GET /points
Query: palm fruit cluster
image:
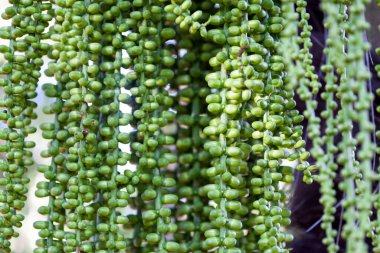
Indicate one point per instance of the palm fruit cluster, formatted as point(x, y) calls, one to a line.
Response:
point(20, 73)
point(342, 135)
point(175, 126)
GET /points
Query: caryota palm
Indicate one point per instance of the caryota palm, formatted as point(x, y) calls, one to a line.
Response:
point(175, 124)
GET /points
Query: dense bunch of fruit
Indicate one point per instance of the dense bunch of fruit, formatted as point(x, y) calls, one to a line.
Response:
point(200, 159)
point(21, 72)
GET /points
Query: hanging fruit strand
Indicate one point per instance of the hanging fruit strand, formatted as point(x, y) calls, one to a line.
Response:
point(191, 157)
point(326, 160)
point(23, 64)
point(347, 157)
point(357, 77)
point(52, 230)
point(152, 71)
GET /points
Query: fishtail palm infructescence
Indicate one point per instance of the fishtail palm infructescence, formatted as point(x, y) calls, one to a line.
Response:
point(202, 157)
